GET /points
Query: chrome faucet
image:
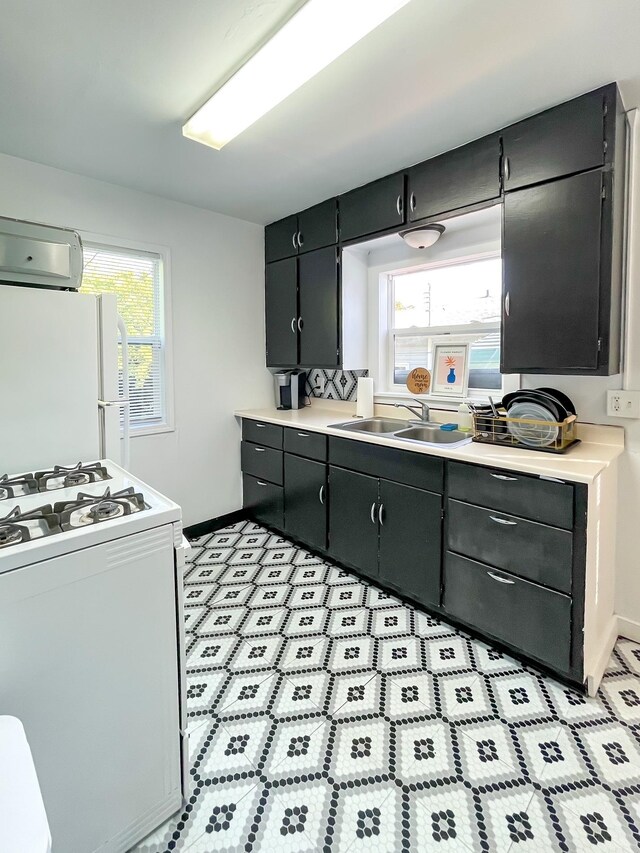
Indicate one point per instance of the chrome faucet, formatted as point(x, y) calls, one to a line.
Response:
point(422, 414)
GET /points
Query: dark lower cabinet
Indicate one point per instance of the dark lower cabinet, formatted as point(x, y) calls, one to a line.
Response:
point(353, 522)
point(264, 500)
point(410, 541)
point(523, 614)
point(305, 500)
point(281, 312)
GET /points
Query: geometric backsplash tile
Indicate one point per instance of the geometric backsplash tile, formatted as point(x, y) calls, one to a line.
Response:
point(338, 384)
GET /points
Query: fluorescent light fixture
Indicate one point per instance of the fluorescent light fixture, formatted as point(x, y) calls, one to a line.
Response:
point(311, 39)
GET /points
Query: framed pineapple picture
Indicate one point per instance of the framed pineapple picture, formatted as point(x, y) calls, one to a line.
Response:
point(450, 376)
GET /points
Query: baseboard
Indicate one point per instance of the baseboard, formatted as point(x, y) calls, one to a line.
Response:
point(195, 531)
point(629, 628)
point(595, 677)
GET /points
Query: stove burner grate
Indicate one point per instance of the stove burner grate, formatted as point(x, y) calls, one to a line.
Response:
point(92, 509)
point(13, 487)
point(18, 527)
point(77, 475)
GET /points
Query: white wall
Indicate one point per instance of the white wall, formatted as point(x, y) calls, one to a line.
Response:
point(217, 284)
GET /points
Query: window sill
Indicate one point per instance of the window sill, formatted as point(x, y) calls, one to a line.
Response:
point(140, 431)
point(444, 403)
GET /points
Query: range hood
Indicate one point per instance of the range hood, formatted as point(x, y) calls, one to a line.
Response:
point(37, 255)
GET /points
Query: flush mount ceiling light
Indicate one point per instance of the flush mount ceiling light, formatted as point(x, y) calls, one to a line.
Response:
point(422, 238)
point(317, 34)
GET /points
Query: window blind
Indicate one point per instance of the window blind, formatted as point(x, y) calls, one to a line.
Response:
point(136, 279)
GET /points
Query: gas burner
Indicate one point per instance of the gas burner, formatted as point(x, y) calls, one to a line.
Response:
point(93, 509)
point(14, 487)
point(18, 527)
point(78, 475)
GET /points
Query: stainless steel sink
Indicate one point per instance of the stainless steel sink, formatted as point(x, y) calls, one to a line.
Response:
point(395, 428)
point(375, 425)
point(433, 435)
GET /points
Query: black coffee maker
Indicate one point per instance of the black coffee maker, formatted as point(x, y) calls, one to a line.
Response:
point(289, 388)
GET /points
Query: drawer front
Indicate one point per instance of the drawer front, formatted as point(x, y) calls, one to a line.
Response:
point(509, 491)
point(525, 548)
point(312, 445)
point(400, 466)
point(264, 500)
point(261, 433)
point(262, 462)
point(528, 617)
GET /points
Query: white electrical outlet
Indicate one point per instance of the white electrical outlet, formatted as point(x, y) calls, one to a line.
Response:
point(623, 404)
point(319, 386)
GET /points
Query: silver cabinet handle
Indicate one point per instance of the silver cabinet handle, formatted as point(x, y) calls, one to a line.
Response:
point(506, 304)
point(303, 434)
point(499, 579)
point(260, 483)
point(259, 449)
point(300, 240)
point(260, 426)
point(412, 202)
point(293, 240)
point(293, 325)
point(503, 521)
point(381, 514)
point(321, 495)
point(507, 169)
point(300, 324)
point(503, 477)
point(373, 512)
point(399, 205)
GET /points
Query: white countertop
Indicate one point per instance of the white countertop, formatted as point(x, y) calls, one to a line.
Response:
point(599, 447)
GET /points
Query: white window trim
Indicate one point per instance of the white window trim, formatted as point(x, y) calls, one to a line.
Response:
point(111, 242)
point(381, 342)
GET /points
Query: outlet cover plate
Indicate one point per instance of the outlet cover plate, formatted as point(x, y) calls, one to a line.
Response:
point(623, 404)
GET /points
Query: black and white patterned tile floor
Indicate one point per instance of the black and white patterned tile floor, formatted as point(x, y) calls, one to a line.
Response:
point(326, 715)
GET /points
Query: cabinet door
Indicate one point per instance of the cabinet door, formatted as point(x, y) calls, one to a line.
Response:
point(565, 139)
point(374, 207)
point(464, 176)
point(410, 541)
point(280, 239)
point(318, 288)
point(305, 508)
point(264, 500)
point(281, 313)
point(551, 276)
point(318, 226)
point(353, 523)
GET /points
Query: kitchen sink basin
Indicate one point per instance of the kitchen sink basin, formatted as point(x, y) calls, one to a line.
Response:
point(433, 435)
point(376, 425)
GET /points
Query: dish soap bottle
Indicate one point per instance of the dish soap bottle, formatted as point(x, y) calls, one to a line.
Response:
point(465, 419)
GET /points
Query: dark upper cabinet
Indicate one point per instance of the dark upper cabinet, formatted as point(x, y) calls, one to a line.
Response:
point(318, 308)
point(281, 312)
point(410, 541)
point(353, 522)
point(314, 228)
point(305, 500)
point(569, 138)
point(280, 239)
point(557, 306)
point(462, 177)
point(374, 207)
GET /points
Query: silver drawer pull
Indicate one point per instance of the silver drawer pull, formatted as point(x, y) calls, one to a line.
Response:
point(303, 434)
point(503, 521)
point(259, 449)
point(499, 579)
point(260, 426)
point(503, 477)
point(321, 495)
point(260, 483)
point(373, 512)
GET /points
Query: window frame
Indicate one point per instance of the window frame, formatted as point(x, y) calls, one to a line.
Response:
point(382, 337)
point(110, 243)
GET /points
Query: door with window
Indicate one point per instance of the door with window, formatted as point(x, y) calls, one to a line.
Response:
point(137, 278)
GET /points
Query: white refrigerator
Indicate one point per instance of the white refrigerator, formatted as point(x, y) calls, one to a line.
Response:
point(59, 379)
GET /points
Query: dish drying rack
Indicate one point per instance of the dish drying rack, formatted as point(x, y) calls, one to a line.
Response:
point(492, 427)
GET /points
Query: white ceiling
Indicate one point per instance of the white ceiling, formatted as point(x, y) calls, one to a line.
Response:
point(102, 88)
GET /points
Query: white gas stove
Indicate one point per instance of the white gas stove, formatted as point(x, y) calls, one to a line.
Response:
point(48, 513)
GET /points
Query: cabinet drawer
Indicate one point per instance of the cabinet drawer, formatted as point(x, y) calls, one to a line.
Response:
point(262, 433)
point(528, 617)
point(262, 462)
point(526, 548)
point(313, 445)
point(264, 500)
point(509, 491)
point(401, 466)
